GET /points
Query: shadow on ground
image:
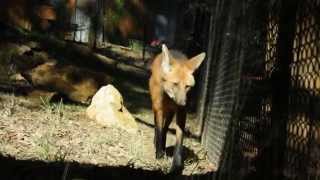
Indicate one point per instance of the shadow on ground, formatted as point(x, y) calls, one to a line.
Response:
point(12, 169)
point(187, 132)
point(187, 153)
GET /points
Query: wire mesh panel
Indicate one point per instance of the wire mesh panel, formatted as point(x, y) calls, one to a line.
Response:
point(255, 97)
point(224, 78)
point(303, 140)
point(262, 115)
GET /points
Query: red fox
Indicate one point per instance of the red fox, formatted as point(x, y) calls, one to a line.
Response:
point(171, 79)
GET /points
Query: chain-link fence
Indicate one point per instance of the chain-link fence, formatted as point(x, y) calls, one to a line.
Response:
point(262, 117)
point(303, 128)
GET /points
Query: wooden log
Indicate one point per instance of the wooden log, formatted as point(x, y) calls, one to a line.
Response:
point(83, 56)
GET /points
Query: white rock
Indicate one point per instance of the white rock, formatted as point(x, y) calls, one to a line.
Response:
point(108, 110)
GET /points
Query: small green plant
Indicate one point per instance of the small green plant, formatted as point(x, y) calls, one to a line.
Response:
point(52, 108)
point(49, 150)
point(44, 147)
point(45, 103)
point(136, 45)
point(60, 154)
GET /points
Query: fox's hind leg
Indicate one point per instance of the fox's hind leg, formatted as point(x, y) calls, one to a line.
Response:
point(177, 164)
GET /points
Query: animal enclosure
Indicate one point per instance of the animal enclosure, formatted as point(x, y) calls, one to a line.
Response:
point(257, 100)
point(261, 119)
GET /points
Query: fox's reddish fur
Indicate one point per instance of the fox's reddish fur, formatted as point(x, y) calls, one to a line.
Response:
point(169, 84)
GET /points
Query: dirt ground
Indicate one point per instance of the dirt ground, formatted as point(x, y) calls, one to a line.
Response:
point(31, 128)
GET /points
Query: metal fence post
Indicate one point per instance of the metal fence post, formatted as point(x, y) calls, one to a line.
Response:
point(280, 87)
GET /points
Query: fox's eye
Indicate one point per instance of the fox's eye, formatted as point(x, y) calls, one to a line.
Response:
point(175, 84)
point(188, 86)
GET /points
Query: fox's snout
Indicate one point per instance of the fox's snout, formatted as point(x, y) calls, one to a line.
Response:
point(181, 97)
point(181, 102)
point(178, 95)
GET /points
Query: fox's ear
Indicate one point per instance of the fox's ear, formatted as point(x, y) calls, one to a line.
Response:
point(196, 61)
point(165, 59)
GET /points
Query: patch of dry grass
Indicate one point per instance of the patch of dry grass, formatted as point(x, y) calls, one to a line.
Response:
point(58, 132)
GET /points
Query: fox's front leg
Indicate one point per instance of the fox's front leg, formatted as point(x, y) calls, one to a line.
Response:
point(158, 134)
point(177, 164)
point(161, 129)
